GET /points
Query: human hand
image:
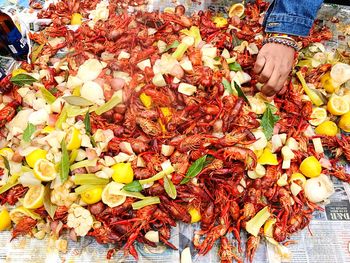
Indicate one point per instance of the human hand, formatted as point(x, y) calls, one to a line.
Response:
point(273, 65)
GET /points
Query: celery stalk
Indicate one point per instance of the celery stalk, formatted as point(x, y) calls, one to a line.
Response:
point(114, 101)
point(85, 163)
point(180, 51)
point(73, 111)
point(158, 176)
point(89, 179)
point(253, 225)
point(132, 194)
point(146, 202)
point(194, 32)
point(312, 94)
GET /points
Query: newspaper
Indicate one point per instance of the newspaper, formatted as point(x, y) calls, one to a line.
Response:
point(326, 240)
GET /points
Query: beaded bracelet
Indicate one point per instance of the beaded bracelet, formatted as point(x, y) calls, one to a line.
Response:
point(282, 41)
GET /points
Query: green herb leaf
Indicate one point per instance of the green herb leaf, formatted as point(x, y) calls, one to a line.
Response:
point(64, 165)
point(236, 41)
point(49, 206)
point(36, 52)
point(169, 187)
point(28, 132)
point(173, 45)
point(268, 121)
point(227, 85)
point(7, 165)
point(235, 66)
point(48, 97)
point(194, 169)
point(134, 186)
point(241, 93)
point(87, 123)
point(23, 79)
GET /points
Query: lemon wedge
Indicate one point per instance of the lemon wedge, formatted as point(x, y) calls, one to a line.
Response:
point(267, 157)
point(311, 167)
point(329, 84)
point(18, 213)
point(92, 196)
point(268, 227)
point(146, 100)
point(123, 173)
point(76, 19)
point(236, 10)
point(73, 139)
point(6, 152)
point(34, 198)
point(344, 122)
point(47, 130)
point(328, 128)
point(109, 196)
point(5, 220)
point(195, 215)
point(220, 21)
point(45, 170)
point(34, 156)
point(337, 105)
point(318, 116)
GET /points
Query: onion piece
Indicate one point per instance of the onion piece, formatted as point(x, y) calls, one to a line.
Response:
point(319, 188)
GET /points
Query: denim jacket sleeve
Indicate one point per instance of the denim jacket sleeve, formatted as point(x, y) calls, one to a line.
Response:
point(292, 17)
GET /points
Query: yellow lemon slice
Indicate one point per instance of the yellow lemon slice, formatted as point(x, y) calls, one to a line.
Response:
point(73, 139)
point(18, 213)
point(267, 157)
point(344, 122)
point(337, 105)
point(18, 71)
point(327, 128)
point(34, 156)
point(5, 220)
point(45, 170)
point(328, 83)
point(298, 176)
point(6, 152)
point(109, 196)
point(195, 215)
point(236, 10)
point(268, 227)
point(34, 198)
point(318, 116)
point(310, 167)
point(76, 19)
point(220, 21)
point(123, 173)
point(92, 196)
point(47, 130)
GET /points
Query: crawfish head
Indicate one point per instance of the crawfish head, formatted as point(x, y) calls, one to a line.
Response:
point(149, 127)
point(240, 154)
point(23, 227)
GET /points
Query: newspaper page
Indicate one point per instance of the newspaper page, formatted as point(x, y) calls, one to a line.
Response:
point(326, 240)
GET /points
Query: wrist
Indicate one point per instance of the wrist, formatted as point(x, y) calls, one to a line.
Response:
point(282, 39)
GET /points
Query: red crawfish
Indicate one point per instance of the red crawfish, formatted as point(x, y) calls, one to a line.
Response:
point(23, 227)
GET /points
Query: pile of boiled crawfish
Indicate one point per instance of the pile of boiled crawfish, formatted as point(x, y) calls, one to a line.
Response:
point(225, 196)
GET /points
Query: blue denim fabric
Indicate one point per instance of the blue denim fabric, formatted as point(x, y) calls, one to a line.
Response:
point(291, 17)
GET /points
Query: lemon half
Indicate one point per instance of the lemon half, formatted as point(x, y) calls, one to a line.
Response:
point(5, 220)
point(92, 196)
point(337, 105)
point(310, 167)
point(110, 194)
point(318, 116)
point(327, 128)
point(344, 122)
point(34, 198)
point(123, 173)
point(34, 156)
point(18, 213)
point(73, 139)
point(45, 170)
point(267, 157)
point(236, 10)
point(76, 19)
